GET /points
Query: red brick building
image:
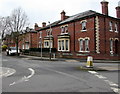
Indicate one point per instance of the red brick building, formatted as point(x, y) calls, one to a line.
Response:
point(28, 39)
point(9, 41)
point(83, 34)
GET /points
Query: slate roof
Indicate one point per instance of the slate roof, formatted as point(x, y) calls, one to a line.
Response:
point(75, 17)
point(78, 16)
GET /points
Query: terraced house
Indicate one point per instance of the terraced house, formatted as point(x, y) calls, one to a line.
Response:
point(83, 34)
point(28, 39)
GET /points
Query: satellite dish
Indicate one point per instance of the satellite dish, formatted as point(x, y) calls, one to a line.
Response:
point(119, 3)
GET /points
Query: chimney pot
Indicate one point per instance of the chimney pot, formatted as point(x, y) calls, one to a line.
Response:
point(104, 7)
point(118, 12)
point(44, 24)
point(63, 15)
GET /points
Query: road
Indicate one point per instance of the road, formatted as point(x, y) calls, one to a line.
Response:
point(56, 76)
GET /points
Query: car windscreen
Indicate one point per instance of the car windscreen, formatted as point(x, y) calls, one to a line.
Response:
point(13, 48)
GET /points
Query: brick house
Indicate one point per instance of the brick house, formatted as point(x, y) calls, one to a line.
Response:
point(9, 41)
point(84, 34)
point(28, 39)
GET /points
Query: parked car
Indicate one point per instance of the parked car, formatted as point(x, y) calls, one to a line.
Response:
point(12, 51)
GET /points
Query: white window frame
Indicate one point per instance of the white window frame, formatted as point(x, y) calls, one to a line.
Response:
point(84, 26)
point(26, 45)
point(81, 45)
point(49, 32)
point(23, 46)
point(84, 44)
point(62, 45)
point(111, 46)
point(110, 26)
point(116, 27)
point(47, 43)
point(87, 45)
point(64, 29)
point(67, 44)
point(59, 45)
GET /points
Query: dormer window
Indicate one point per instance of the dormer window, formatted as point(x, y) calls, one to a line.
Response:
point(116, 27)
point(110, 25)
point(64, 29)
point(84, 24)
point(49, 32)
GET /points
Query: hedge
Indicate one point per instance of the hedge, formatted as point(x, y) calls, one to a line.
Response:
point(39, 50)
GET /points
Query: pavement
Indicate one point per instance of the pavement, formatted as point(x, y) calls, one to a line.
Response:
point(115, 67)
point(69, 59)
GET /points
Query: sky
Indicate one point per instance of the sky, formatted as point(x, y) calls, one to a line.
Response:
point(39, 11)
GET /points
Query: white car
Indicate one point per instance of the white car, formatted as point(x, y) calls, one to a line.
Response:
point(12, 51)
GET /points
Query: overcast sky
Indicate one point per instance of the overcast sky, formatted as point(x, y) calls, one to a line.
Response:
point(39, 11)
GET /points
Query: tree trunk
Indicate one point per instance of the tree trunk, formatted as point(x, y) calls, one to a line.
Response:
point(17, 46)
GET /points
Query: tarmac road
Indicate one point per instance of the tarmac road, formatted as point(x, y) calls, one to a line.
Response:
point(57, 76)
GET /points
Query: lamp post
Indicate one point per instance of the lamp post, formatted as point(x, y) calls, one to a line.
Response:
point(50, 41)
point(41, 42)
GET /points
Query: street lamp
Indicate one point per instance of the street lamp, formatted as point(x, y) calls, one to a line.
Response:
point(41, 42)
point(50, 41)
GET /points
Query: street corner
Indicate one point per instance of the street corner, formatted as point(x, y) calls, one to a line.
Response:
point(5, 72)
point(110, 68)
point(98, 68)
point(94, 68)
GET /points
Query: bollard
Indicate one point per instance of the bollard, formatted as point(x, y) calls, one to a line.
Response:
point(89, 62)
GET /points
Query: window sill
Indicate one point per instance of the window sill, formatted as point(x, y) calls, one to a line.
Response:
point(111, 30)
point(63, 33)
point(116, 31)
point(111, 52)
point(83, 30)
point(63, 51)
point(84, 51)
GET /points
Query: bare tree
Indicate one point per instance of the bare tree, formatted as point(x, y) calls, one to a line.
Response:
point(17, 22)
point(3, 26)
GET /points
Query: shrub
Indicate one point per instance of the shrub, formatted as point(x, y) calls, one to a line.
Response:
point(26, 51)
point(43, 49)
point(4, 47)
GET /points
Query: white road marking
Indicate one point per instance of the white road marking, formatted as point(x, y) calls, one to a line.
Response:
point(24, 78)
point(115, 90)
point(100, 76)
point(6, 72)
point(32, 73)
point(93, 72)
point(112, 84)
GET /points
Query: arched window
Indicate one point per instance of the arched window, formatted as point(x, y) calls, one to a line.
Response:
point(111, 46)
point(83, 45)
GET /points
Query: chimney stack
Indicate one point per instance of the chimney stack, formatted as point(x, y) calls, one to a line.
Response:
point(44, 24)
point(118, 10)
point(104, 7)
point(63, 17)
